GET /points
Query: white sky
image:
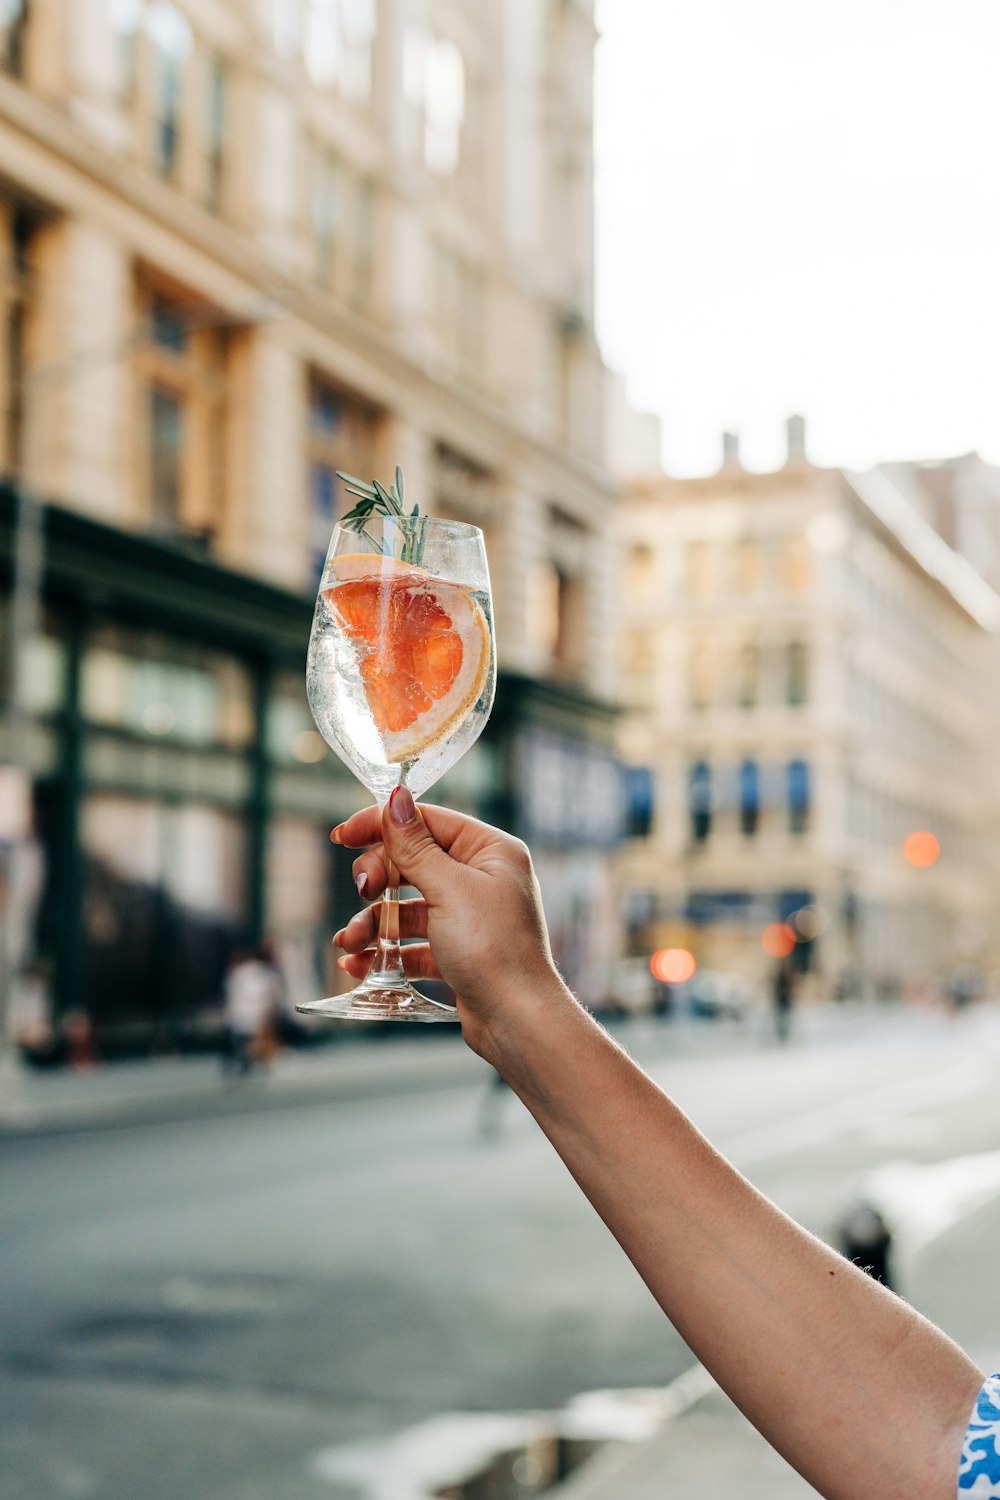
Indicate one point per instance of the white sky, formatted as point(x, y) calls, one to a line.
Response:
point(798, 209)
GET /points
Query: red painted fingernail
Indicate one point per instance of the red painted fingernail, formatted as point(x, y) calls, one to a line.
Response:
point(402, 806)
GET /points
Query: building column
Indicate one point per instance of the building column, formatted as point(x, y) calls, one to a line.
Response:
point(400, 442)
point(265, 530)
point(79, 327)
point(519, 548)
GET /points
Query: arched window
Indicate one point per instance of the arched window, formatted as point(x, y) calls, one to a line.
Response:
point(700, 800)
point(172, 41)
point(799, 796)
point(749, 797)
point(796, 674)
point(749, 676)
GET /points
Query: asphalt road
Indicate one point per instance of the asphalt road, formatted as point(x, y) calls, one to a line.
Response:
point(244, 1306)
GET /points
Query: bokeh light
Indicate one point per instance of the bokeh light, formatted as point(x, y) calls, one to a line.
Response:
point(921, 849)
point(777, 939)
point(672, 965)
point(809, 922)
point(309, 747)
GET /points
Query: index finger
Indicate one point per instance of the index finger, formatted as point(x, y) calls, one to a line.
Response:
point(447, 826)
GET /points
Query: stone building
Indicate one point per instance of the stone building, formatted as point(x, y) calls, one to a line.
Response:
point(243, 244)
point(808, 668)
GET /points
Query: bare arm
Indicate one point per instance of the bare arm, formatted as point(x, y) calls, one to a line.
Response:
point(861, 1394)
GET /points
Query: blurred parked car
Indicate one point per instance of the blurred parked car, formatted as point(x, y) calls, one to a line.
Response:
point(632, 988)
point(714, 995)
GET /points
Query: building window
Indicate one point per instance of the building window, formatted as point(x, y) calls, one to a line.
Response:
point(555, 618)
point(150, 685)
point(749, 679)
point(797, 566)
point(700, 800)
point(701, 678)
point(13, 26)
point(337, 41)
point(341, 436)
point(182, 372)
point(16, 229)
point(215, 131)
point(286, 26)
point(749, 797)
point(698, 569)
point(324, 215)
point(796, 674)
point(343, 228)
point(460, 312)
point(364, 242)
point(170, 34)
point(799, 796)
point(640, 801)
point(640, 570)
point(748, 566)
point(126, 23)
point(166, 447)
point(444, 107)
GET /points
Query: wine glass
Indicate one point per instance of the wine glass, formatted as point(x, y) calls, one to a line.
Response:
point(400, 677)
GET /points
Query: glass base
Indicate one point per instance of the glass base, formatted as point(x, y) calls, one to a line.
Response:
point(380, 1003)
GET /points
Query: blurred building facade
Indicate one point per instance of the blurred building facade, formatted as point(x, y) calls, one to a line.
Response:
point(808, 668)
point(243, 245)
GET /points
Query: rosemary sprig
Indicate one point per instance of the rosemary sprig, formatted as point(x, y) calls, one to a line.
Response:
point(375, 499)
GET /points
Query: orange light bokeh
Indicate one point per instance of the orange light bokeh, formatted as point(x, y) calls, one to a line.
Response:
point(672, 965)
point(921, 849)
point(777, 939)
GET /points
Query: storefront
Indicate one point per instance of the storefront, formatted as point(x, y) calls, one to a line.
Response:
point(183, 799)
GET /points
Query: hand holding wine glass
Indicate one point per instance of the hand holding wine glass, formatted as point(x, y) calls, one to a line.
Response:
point(400, 678)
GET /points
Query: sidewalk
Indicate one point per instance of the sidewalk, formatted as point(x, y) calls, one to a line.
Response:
point(171, 1088)
point(160, 1089)
point(706, 1451)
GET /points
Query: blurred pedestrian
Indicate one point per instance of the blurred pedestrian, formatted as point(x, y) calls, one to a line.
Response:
point(861, 1394)
point(251, 1008)
point(29, 1015)
point(783, 984)
point(491, 1107)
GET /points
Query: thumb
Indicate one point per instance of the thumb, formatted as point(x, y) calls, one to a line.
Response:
point(412, 847)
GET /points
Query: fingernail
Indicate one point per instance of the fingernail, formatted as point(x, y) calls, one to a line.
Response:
point(361, 882)
point(402, 806)
point(335, 834)
point(337, 937)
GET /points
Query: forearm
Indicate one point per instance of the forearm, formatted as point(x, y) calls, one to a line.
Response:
point(857, 1390)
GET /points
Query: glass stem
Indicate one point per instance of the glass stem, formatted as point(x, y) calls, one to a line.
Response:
point(386, 971)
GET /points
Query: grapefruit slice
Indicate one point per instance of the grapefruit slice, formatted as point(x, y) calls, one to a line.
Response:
point(423, 647)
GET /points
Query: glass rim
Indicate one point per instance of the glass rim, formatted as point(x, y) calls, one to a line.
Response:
point(457, 529)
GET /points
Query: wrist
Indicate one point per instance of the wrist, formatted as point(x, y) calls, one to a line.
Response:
point(529, 1023)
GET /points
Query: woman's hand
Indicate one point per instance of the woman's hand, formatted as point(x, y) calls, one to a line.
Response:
point(480, 910)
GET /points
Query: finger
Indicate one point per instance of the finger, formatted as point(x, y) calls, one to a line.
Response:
point(369, 873)
point(414, 850)
point(446, 825)
point(362, 929)
point(418, 962)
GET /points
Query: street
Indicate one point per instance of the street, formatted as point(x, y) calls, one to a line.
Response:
point(222, 1308)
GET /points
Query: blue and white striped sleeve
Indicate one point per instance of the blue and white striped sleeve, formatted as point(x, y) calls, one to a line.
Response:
point(979, 1468)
